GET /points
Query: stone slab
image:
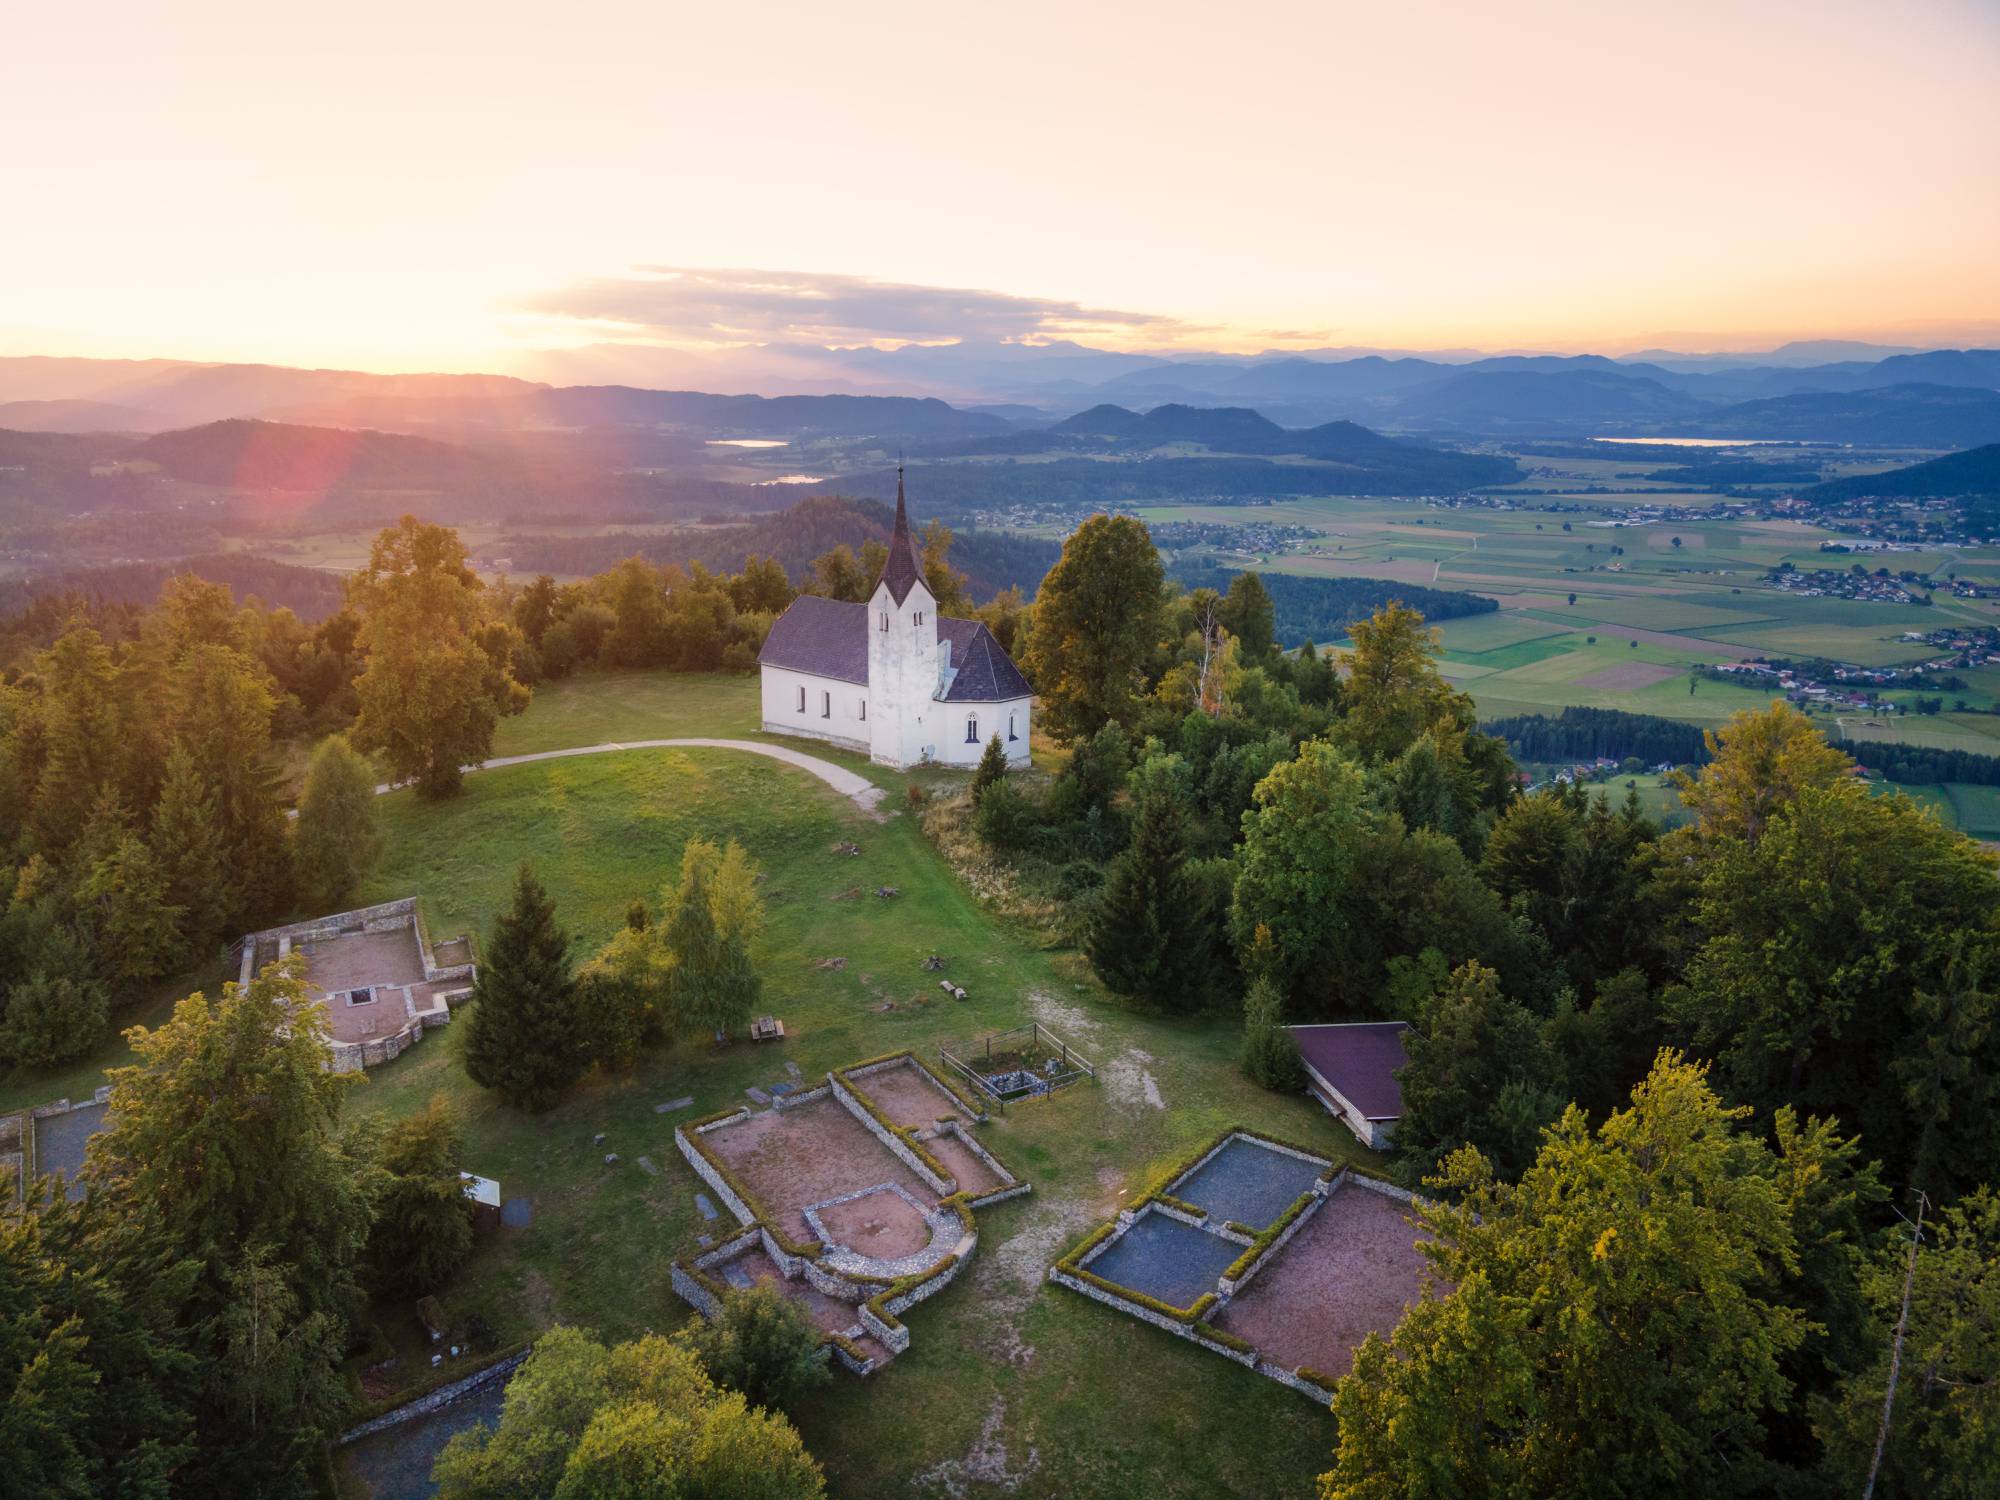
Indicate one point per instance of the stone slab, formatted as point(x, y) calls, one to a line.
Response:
point(707, 1208)
point(673, 1104)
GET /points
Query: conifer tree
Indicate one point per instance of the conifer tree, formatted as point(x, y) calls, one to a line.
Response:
point(713, 985)
point(122, 900)
point(992, 769)
point(1269, 1054)
point(526, 1043)
point(336, 843)
point(185, 844)
point(423, 1220)
point(1154, 936)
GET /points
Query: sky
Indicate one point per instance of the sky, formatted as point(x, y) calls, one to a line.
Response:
point(456, 186)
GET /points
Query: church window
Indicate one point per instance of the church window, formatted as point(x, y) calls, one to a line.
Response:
point(1010, 728)
point(802, 700)
point(972, 730)
point(826, 705)
point(885, 622)
point(917, 618)
point(864, 710)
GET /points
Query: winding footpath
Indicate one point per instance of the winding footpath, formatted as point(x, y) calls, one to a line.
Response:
point(857, 788)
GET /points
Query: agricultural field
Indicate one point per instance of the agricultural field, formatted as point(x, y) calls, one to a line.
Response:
point(1598, 611)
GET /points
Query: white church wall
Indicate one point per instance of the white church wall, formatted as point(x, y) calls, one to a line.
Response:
point(834, 711)
point(953, 720)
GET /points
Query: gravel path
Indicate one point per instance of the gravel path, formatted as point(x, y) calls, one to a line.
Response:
point(859, 789)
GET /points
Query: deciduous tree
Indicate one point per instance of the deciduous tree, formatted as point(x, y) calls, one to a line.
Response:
point(422, 1230)
point(1096, 621)
point(763, 1346)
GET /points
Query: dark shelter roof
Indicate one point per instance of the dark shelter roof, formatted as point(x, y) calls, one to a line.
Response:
point(903, 570)
point(1359, 1061)
point(829, 638)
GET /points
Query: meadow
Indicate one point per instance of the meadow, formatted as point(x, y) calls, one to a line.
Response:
point(1005, 1377)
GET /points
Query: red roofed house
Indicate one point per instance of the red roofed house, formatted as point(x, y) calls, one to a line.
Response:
point(1351, 1069)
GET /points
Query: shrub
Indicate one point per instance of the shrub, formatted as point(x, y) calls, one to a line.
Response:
point(763, 1345)
point(1005, 819)
point(1270, 1055)
point(52, 1019)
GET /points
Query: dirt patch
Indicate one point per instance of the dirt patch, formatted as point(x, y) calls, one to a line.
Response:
point(1060, 1014)
point(808, 1154)
point(1129, 1084)
point(880, 1224)
point(1350, 1272)
point(1629, 676)
point(985, 1463)
point(908, 1097)
point(970, 1173)
point(833, 964)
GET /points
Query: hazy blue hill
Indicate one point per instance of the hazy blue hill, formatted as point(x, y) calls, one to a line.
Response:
point(1901, 416)
point(244, 454)
point(911, 417)
point(74, 414)
point(1976, 472)
point(1543, 401)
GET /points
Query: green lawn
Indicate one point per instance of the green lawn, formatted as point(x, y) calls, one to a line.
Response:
point(1086, 1402)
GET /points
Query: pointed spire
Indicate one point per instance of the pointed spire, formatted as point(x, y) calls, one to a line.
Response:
point(902, 570)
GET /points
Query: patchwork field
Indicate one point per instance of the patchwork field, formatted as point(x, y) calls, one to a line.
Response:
point(1600, 612)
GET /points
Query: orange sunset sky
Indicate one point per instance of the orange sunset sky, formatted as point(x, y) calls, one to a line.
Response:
point(457, 186)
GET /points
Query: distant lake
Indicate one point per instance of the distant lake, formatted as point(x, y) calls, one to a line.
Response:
point(1698, 442)
point(749, 443)
point(795, 479)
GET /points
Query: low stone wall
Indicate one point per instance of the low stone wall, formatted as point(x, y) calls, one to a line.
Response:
point(1319, 1193)
point(802, 1096)
point(897, 1146)
point(708, 1172)
point(1293, 1379)
point(443, 1396)
point(1373, 1184)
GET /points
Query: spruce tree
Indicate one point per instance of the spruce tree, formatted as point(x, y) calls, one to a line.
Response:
point(1270, 1055)
point(712, 986)
point(526, 1043)
point(335, 843)
point(186, 845)
point(992, 769)
point(1154, 936)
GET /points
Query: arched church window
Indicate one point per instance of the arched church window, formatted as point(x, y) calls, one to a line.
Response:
point(1010, 728)
point(972, 730)
point(802, 699)
point(885, 622)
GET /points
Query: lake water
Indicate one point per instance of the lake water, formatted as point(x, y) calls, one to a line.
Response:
point(795, 479)
point(1698, 442)
point(749, 443)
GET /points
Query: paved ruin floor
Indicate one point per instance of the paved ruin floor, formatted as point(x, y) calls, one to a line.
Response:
point(359, 958)
point(909, 1098)
point(882, 1225)
point(970, 1173)
point(793, 1158)
point(1348, 1273)
point(1247, 1184)
point(1166, 1259)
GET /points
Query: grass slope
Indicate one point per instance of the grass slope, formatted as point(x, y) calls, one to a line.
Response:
point(1083, 1401)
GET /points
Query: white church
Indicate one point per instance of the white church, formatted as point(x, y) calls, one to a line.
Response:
point(893, 677)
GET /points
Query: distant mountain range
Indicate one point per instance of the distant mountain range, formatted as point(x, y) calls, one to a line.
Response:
point(975, 394)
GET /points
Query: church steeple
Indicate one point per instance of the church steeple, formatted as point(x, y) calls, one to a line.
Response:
point(903, 570)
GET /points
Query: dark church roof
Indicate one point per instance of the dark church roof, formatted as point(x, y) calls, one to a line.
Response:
point(1360, 1060)
point(829, 638)
point(826, 637)
point(984, 672)
point(904, 570)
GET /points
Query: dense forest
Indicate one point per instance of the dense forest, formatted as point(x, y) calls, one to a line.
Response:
point(1321, 609)
point(1699, 1080)
point(1923, 764)
point(1587, 733)
point(991, 560)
